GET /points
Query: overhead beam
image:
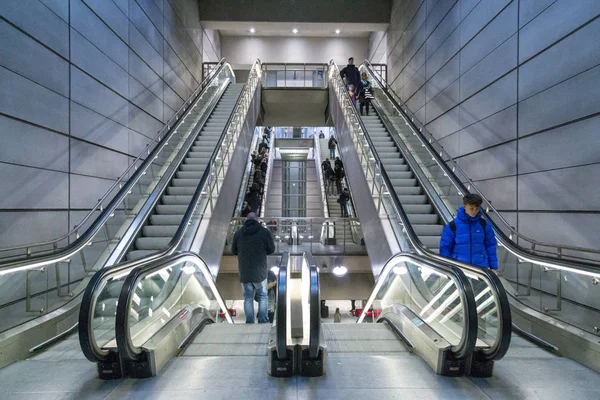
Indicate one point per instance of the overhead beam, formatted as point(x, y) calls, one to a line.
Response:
point(367, 11)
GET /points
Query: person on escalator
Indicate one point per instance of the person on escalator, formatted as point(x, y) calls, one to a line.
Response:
point(246, 210)
point(469, 238)
point(329, 181)
point(263, 145)
point(251, 244)
point(339, 178)
point(321, 135)
point(263, 166)
point(350, 74)
point(331, 145)
point(366, 94)
point(339, 163)
point(343, 200)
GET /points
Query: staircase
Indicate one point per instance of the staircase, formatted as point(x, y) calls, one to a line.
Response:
point(423, 217)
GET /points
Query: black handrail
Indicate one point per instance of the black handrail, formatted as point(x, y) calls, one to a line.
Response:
point(516, 248)
point(503, 339)
point(88, 345)
point(315, 307)
point(63, 254)
point(127, 351)
point(499, 349)
point(99, 279)
point(281, 327)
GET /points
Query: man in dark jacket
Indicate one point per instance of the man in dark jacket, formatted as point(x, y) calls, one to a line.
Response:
point(339, 163)
point(331, 145)
point(469, 238)
point(252, 243)
point(343, 200)
point(350, 74)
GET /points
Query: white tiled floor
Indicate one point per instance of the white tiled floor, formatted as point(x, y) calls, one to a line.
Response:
point(526, 373)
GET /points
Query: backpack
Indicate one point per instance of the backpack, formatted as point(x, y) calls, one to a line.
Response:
point(481, 221)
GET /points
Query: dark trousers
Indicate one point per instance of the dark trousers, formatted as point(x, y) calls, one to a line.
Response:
point(344, 210)
point(366, 103)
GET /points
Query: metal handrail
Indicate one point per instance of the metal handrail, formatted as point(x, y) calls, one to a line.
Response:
point(263, 203)
point(73, 248)
point(127, 351)
point(247, 172)
point(439, 157)
point(503, 339)
point(281, 332)
point(86, 335)
point(468, 340)
point(157, 138)
point(314, 342)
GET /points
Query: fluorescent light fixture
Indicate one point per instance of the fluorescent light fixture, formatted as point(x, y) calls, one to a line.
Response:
point(294, 30)
point(189, 269)
point(340, 271)
point(400, 270)
point(337, 31)
point(252, 30)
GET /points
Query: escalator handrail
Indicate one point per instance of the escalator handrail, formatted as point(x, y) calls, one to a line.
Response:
point(509, 244)
point(127, 351)
point(503, 339)
point(468, 340)
point(502, 343)
point(314, 342)
point(88, 344)
point(281, 308)
point(67, 252)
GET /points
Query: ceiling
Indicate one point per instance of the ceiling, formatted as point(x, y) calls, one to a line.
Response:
point(305, 29)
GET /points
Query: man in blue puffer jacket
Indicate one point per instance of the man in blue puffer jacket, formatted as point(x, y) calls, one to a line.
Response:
point(469, 238)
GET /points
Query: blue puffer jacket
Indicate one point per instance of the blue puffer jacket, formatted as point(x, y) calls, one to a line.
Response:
point(470, 244)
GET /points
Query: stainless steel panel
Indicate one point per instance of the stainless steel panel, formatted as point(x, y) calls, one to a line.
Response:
point(19, 95)
point(111, 15)
point(448, 20)
point(555, 22)
point(492, 99)
point(96, 128)
point(443, 102)
point(85, 190)
point(49, 224)
point(528, 10)
point(33, 188)
point(26, 144)
point(142, 122)
point(40, 22)
point(567, 146)
point(479, 17)
point(96, 31)
point(501, 191)
point(446, 124)
point(22, 54)
point(575, 98)
point(493, 66)
point(142, 48)
point(443, 78)
point(444, 53)
point(87, 57)
point(88, 92)
point(89, 159)
point(60, 7)
point(571, 56)
point(576, 188)
point(145, 75)
point(145, 99)
point(143, 24)
point(497, 128)
point(496, 162)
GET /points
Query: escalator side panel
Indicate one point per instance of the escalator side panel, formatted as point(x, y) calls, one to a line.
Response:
point(211, 245)
point(379, 249)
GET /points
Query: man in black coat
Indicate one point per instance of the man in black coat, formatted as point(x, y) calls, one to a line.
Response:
point(351, 75)
point(252, 243)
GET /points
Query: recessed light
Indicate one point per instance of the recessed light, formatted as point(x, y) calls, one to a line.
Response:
point(252, 30)
point(294, 30)
point(340, 271)
point(337, 31)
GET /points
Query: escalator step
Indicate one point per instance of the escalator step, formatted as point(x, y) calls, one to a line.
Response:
point(152, 243)
point(159, 230)
point(176, 200)
point(158, 219)
point(170, 209)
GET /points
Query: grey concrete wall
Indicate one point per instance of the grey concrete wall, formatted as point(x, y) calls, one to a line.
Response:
point(511, 89)
point(84, 85)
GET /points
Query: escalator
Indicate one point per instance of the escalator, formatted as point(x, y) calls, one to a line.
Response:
point(167, 215)
point(546, 284)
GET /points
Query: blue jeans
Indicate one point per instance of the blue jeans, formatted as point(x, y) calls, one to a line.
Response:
point(263, 301)
point(332, 154)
